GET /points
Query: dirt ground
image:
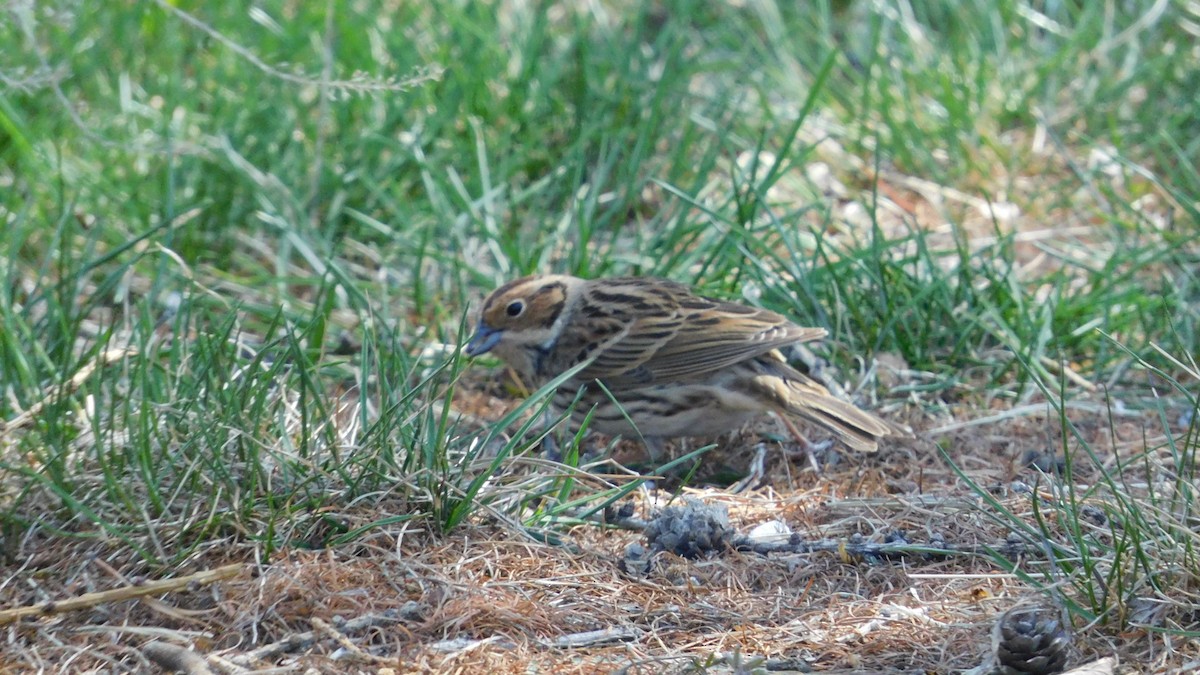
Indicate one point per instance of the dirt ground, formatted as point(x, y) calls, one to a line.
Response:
point(494, 597)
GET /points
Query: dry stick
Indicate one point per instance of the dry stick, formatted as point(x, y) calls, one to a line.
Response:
point(348, 645)
point(117, 594)
point(225, 666)
point(152, 604)
point(1030, 410)
point(102, 359)
point(297, 641)
point(1068, 373)
point(320, 625)
point(592, 637)
point(176, 659)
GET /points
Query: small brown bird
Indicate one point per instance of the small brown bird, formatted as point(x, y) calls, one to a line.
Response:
point(671, 362)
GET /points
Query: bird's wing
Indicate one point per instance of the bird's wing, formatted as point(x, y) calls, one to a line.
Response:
point(641, 331)
point(715, 335)
point(621, 323)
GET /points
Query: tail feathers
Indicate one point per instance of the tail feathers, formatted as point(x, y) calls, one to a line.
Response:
point(859, 430)
point(796, 394)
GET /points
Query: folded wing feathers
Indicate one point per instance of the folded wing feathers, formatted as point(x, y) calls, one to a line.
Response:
point(697, 354)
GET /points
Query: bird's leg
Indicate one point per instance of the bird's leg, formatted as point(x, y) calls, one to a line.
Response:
point(654, 450)
point(551, 443)
point(756, 472)
point(550, 448)
point(654, 447)
point(810, 448)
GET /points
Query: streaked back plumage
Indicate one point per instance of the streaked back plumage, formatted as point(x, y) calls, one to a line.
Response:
point(653, 343)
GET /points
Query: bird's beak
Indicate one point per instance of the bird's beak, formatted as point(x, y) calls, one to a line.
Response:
point(483, 341)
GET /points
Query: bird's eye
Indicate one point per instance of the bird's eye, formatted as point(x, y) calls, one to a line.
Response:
point(515, 308)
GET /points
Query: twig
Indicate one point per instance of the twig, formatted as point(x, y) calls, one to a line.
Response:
point(1031, 410)
point(298, 641)
point(618, 516)
point(102, 359)
point(592, 637)
point(348, 645)
point(151, 603)
point(225, 665)
point(86, 600)
point(176, 659)
point(1068, 373)
point(1013, 548)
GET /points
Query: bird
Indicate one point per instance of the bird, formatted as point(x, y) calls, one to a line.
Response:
point(660, 361)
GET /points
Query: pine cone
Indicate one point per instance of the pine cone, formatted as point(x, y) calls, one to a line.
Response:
point(1030, 641)
point(691, 530)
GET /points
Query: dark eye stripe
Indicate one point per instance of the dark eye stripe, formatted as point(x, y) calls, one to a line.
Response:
point(557, 307)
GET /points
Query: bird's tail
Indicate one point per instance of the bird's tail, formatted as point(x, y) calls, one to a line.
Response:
point(796, 394)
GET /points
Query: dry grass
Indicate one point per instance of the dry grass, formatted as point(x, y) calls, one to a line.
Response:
point(488, 598)
point(304, 202)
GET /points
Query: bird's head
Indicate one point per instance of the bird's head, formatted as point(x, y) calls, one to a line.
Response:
point(521, 318)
